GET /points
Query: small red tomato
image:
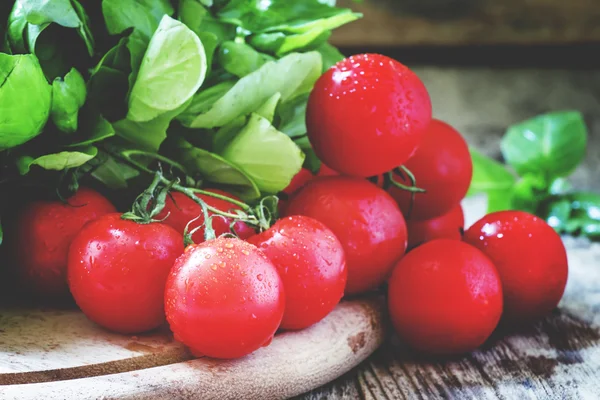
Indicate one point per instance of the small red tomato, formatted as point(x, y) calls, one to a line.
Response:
point(364, 218)
point(442, 166)
point(312, 265)
point(531, 260)
point(367, 114)
point(118, 269)
point(224, 298)
point(298, 181)
point(324, 170)
point(445, 297)
point(44, 231)
point(448, 226)
point(181, 210)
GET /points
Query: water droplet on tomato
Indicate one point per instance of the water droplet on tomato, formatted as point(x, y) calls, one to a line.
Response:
point(213, 267)
point(253, 316)
point(259, 277)
point(245, 252)
point(229, 245)
point(207, 256)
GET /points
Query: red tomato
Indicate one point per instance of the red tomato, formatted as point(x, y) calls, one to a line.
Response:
point(181, 210)
point(367, 114)
point(298, 181)
point(365, 219)
point(44, 231)
point(118, 269)
point(448, 226)
point(530, 257)
point(324, 170)
point(312, 265)
point(224, 298)
point(445, 297)
point(443, 167)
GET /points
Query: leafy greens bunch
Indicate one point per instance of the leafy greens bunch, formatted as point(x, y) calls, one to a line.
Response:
point(217, 88)
point(540, 154)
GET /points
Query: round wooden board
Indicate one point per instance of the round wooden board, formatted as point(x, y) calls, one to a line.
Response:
point(61, 355)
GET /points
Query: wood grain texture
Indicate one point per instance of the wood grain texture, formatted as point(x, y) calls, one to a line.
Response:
point(557, 358)
point(293, 363)
point(463, 22)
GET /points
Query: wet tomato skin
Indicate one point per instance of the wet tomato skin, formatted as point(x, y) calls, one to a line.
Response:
point(180, 209)
point(312, 265)
point(447, 226)
point(365, 219)
point(117, 272)
point(298, 181)
point(367, 114)
point(43, 233)
point(445, 297)
point(224, 298)
point(531, 260)
point(443, 167)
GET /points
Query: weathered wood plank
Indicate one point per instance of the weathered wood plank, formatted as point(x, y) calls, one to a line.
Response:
point(461, 22)
point(557, 358)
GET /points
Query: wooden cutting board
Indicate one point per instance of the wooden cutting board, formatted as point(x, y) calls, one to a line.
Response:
point(58, 354)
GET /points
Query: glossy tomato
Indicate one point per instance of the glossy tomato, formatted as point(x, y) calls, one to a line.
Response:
point(443, 167)
point(324, 170)
point(530, 257)
point(224, 298)
point(118, 269)
point(448, 226)
point(364, 218)
point(312, 265)
point(43, 233)
point(179, 210)
point(367, 114)
point(298, 181)
point(445, 297)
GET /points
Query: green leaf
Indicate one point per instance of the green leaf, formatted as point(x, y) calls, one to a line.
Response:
point(292, 75)
point(574, 214)
point(25, 98)
point(528, 192)
point(492, 178)
point(293, 116)
point(268, 156)
point(551, 144)
point(59, 161)
point(279, 43)
point(93, 128)
point(173, 69)
point(204, 100)
point(311, 162)
point(114, 174)
point(330, 54)
point(212, 167)
point(143, 15)
point(267, 110)
point(226, 134)
point(68, 96)
point(240, 59)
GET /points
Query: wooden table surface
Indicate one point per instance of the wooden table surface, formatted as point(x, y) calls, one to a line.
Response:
point(557, 358)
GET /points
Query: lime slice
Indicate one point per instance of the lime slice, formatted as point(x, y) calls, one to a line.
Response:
point(173, 69)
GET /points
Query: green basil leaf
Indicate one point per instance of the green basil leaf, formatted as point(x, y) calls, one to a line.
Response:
point(59, 161)
point(143, 15)
point(226, 134)
point(270, 158)
point(173, 69)
point(292, 75)
point(267, 110)
point(330, 54)
point(311, 162)
point(240, 59)
point(493, 179)
point(212, 167)
point(68, 96)
point(114, 174)
point(552, 144)
point(293, 116)
point(203, 101)
point(528, 192)
point(93, 128)
point(25, 98)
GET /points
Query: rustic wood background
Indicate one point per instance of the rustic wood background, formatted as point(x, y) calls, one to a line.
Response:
point(451, 22)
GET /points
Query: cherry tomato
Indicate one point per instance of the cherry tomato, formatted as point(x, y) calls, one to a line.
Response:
point(43, 233)
point(448, 226)
point(312, 265)
point(365, 219)
point(324, 170)
point(118, 269)
point(298, 181)
point(445, 297)
point(224, 298)
point(367, 114)
point(181, 210)
point(530, 257)
point(442, 166)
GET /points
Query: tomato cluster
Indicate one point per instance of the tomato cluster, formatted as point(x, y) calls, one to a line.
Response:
point(340, 235)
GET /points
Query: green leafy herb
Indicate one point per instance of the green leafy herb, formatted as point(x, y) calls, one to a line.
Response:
point(59, 161)
point(25, 98)
point(143, 15)
point(68, 96)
